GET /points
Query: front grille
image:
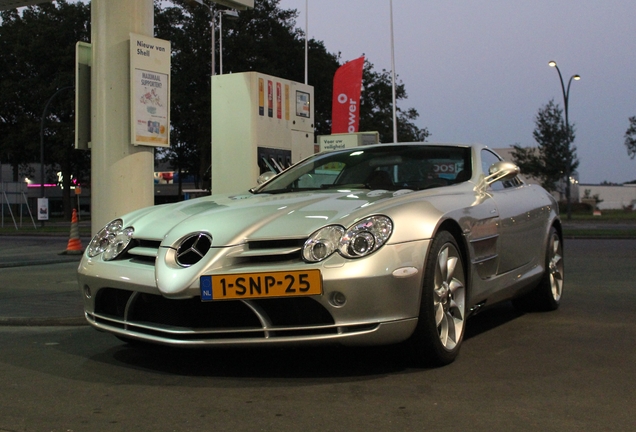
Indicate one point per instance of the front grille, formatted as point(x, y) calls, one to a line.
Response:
point(269, 251)
point(276, 244)
point(190, 319)
point(194, 247)
point(142, 251)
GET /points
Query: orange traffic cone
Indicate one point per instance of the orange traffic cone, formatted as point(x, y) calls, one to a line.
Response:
point(74, 246)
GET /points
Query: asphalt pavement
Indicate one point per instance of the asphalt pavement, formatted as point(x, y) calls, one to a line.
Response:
point(38, 283)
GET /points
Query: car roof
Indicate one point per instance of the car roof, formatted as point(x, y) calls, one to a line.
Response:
point(407, 144)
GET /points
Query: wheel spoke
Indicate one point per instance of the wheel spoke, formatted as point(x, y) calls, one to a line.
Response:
point(442, 268)
point(555, 246)
point(448, 296)
point(450, 265)
point(451, 336)
point(556, 268)
point(455, 310)
point(443, 329)
point(449, 330)
point(556, 283)
point(439, 314)
point(456, 287)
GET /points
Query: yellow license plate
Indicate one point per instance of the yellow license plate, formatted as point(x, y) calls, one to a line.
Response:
point(261, 285)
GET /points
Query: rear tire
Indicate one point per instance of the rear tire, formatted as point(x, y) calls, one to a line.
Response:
point(547, 295)
point(440, 327)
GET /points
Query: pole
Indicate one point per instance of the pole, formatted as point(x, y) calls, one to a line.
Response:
point(213, 30)
point(121, 172)
point(395, 138)
point(46, 107)
point(566, 100)
point(306, 43)
point(220, 44)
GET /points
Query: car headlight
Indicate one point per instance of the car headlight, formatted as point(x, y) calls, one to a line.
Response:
point(361, 239)
point(322, 243)
point(365, 236)
point(111, 240)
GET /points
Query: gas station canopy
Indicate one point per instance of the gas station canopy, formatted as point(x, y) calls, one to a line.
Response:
point(233, 4)
point(236, 4)
point(12, 4)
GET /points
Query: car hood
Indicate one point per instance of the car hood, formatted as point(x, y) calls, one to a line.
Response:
point(233, 219)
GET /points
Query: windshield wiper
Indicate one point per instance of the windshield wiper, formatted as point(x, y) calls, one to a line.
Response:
point(305, 189)
point(275, 191)
point(343, 186)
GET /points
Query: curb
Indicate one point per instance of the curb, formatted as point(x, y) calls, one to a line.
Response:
point(41, 262)
point(43, 322)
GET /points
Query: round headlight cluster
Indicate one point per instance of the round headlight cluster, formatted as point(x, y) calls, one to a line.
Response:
point(361, 239)
point(111, 240)
point(322, 243)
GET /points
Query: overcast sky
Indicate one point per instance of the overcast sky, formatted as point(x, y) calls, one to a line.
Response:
point(477, 71)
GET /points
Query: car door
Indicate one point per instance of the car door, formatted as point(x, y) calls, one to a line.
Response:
point(522, 219)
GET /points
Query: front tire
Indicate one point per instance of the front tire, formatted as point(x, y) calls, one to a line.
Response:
point(440, 327)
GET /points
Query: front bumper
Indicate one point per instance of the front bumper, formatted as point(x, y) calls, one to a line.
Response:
point(381, 292)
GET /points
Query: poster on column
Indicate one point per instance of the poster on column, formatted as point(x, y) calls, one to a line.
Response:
point(43, 209)
point(150, 90)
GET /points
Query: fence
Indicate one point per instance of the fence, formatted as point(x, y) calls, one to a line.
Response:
point(14, 194)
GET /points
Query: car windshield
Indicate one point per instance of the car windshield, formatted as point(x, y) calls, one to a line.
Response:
point(390, 167)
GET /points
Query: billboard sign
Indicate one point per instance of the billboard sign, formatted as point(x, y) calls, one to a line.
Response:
point(149, 91)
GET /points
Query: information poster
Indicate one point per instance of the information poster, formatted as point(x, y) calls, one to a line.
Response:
point(43, 209)
point(302, 104)
point(150, 90)
point(151, 94)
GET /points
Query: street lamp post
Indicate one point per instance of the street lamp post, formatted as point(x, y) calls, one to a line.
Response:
point(395, 137)
point(566, 98)
point(214, 14)
point(46, 108)
point(231, 14)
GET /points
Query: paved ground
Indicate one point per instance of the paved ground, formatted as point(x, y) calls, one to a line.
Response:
point(568, 370)
point(38, 285)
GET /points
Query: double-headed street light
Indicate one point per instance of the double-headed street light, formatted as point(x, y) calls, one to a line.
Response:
point(46, 108)
point(395, 132)
point(231, 14)
point(566, 93)
point(566, 98)
point(214, 14)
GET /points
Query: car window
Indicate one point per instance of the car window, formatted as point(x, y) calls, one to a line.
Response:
point(390, 168)
point(325, 174)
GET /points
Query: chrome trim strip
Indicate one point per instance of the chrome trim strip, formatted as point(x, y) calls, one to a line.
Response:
point(129, 325)
point(265, 252)
point(484, 238)
point(484, 259)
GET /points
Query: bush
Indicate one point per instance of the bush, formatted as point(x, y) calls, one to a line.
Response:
point(577, 207)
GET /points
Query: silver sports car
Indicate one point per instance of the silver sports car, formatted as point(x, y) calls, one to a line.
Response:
point(372, 245)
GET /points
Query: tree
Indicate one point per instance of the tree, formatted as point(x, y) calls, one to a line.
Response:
point(555, 159)
point(263, 39)
point(37, 51)
point(37, 58)
point(630, 137)
point(376, 113)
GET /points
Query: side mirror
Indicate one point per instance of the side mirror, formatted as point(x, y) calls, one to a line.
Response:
point(265, 177)
point(501, 170)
